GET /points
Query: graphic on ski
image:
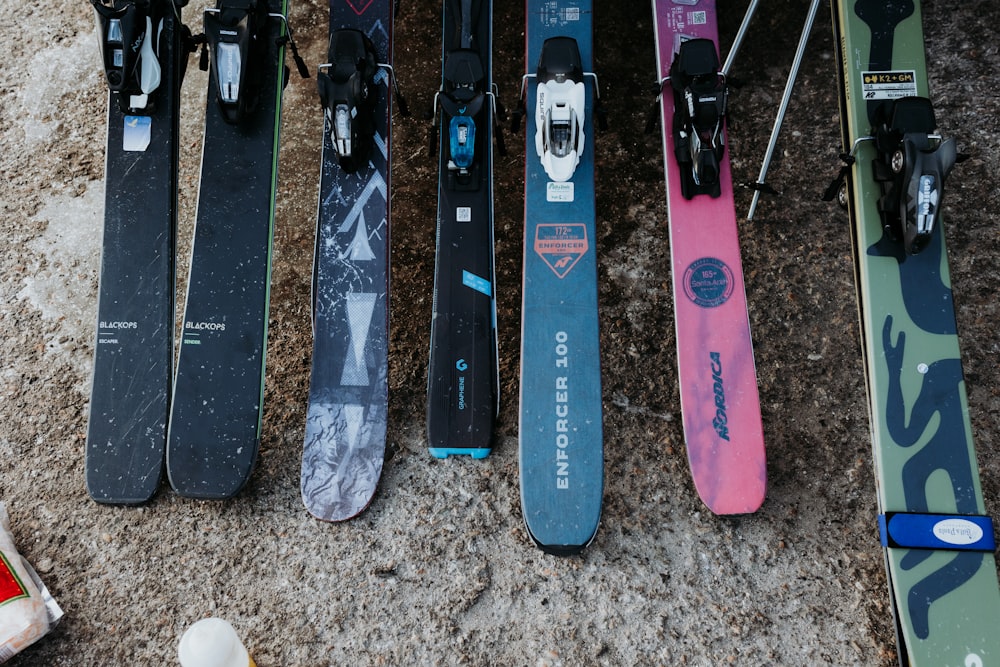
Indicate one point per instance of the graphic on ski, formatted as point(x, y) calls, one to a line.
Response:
point(348, 390)
point(143, 57)
point(215, 416)
point(462, 381)
point(715, 364)
point(561, 444)
point(938, 545)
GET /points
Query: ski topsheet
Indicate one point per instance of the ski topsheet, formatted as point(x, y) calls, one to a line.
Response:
point(462, 381)
point(561, 445)
point(217, 403)
point(133, 355)
point(348, 390)
point(938, 546)
point(715, 364)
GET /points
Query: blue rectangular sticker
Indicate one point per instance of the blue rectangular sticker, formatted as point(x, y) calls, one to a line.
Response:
point(476, 283)
point(137, 132)
point(952, 532)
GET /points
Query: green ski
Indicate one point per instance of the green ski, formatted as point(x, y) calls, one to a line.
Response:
point(939, 548)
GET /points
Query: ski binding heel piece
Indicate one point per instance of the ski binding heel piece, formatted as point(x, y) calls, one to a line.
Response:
point(700, 99)
point(348, 91)
point(235, 32)
point(129, 50)
point(560, 107)
point(912, 165)
point(461, 100)
point(560, 101)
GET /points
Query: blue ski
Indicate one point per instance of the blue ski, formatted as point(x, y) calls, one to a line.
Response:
point(561, 446)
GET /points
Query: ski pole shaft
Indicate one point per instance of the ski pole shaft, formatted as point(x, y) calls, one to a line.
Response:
point(789, 85)
point(740, 34)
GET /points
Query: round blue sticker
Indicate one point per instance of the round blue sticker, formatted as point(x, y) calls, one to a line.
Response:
point(708, 282)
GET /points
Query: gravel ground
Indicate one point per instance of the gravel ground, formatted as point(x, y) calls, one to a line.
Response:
point(439, 570)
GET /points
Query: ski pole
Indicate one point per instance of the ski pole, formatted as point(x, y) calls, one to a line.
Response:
point(792, 74)
point(738, 40)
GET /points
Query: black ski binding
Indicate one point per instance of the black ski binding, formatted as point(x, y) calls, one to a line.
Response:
point(463, 96)
point(349, 93)
point(236, 35)
point(700, 99)
point(129, 34)
point(461, 100)
point(911, 166)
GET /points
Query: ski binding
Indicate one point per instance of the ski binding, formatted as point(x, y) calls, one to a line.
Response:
point(129, 49)
point(700, 99)
point(460, 98)
point(347, 89)
point(561, 99)
point(236, 35)
point(559, 107)
point(911, 166)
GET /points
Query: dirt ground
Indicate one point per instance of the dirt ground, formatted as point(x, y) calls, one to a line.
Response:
point(439, 570)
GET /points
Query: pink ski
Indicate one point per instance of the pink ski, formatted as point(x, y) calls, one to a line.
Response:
point(715, 365)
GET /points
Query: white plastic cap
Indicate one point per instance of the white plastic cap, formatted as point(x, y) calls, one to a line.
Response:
point(212, 642)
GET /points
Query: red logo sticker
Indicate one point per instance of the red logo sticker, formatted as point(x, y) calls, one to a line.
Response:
point(561, 245)
point(359, 6)
point(11, 587)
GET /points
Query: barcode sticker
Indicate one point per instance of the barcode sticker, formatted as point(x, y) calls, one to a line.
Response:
point(697, 18)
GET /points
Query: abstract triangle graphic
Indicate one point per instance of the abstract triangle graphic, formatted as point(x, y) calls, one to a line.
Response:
point(360, 308)
point(355, 417)
point(561, 245)
point(359, 6)
point(359, 248)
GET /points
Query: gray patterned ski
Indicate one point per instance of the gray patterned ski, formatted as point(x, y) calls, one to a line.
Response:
point(348, 392)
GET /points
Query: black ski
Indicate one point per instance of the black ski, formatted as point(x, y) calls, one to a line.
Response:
point(217, 404)
point(144, 53)
point(462, 380)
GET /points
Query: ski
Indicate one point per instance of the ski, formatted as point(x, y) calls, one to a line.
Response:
point(143, 53)
point(717, 378)
point(349, 385)
point(939, 548)
point(561, 442)
point(216, 410)
point(462, 380)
